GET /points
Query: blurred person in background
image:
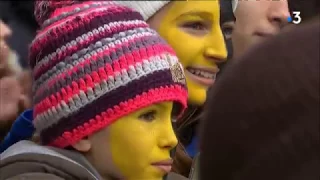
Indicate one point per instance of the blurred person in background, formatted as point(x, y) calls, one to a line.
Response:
point(17, 28)
point(268, 126)
point(9, 62)
point(15, 83)
point(256, 21)
point(18, 15)
point(227, 23)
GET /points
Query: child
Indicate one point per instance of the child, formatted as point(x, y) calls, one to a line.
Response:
point(106, 87)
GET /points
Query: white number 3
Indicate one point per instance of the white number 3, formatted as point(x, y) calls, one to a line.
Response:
point(296, 17)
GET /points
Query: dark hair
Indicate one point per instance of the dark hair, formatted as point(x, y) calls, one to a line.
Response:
point(262, 117)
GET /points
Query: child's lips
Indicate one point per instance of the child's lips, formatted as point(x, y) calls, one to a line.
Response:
point(164, 166)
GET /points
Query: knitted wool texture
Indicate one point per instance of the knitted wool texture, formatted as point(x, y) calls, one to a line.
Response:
point(149, 8)
point(93, 63)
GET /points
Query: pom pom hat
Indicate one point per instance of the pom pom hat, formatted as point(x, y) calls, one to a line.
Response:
point(93, 63)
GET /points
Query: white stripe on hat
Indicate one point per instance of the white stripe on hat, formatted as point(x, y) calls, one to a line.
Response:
point(145, 8)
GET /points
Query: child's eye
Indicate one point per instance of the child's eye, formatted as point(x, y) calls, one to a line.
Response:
point(148, 116)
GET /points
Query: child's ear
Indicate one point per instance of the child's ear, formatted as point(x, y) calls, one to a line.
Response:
point(84, 145)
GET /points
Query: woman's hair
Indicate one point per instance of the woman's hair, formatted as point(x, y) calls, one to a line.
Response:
point(262, 118)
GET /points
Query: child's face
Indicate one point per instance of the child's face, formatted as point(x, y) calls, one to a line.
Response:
point(135, 144)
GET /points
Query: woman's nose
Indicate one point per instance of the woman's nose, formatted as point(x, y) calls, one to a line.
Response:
point(216, 55)
point(215, 49)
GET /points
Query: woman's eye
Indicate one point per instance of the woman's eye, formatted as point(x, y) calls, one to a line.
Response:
point(195, 26)
point(148, 116)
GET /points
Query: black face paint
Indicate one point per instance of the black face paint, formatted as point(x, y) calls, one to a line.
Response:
point(226, 23)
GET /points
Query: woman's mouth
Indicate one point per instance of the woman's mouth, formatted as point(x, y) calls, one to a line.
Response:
point(202, 75)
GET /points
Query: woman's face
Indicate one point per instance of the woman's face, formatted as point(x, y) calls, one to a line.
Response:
point(136, 146)
point(193, 30)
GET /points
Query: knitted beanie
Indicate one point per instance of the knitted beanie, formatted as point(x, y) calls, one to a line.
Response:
point(94, 62)
point(149, 8)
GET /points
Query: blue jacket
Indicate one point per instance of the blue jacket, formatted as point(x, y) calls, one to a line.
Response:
point(22, 129)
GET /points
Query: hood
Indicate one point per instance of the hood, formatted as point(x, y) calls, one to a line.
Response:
point(27, 157)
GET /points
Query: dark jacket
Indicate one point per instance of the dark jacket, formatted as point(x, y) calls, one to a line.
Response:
point(29, 161)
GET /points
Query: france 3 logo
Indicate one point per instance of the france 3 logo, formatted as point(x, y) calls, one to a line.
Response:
point(295, 18)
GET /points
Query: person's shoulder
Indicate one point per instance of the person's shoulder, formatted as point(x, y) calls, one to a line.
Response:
point(35, 176)
point(23, 148)
point(34, 160)
point(175, 176)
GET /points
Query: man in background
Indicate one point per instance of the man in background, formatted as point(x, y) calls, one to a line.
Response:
point(256, 21)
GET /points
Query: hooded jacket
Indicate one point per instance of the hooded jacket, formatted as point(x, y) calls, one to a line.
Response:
point(29, 161)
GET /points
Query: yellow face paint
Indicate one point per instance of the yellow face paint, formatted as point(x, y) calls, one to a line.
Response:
point(193, 30)
point(142, 140)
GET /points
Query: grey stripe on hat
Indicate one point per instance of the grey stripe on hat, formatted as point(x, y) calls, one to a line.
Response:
point(82, 38)
point(94, 65)
point(66, 109)
point(80, 53)
point(76, 10)
point(50, 29)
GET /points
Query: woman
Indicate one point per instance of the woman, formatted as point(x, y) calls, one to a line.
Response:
point(193, 30)
point(105, 91)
